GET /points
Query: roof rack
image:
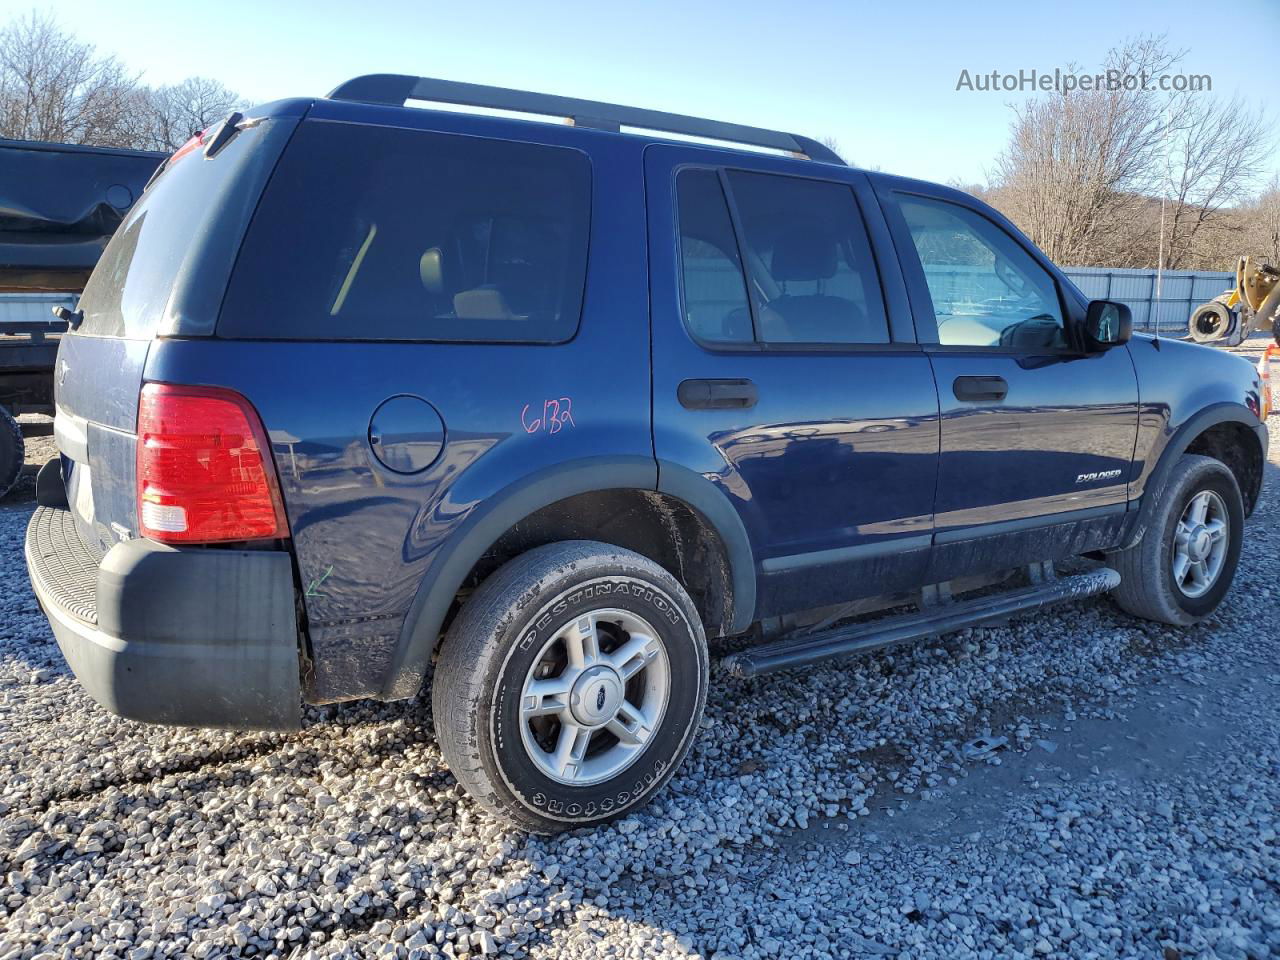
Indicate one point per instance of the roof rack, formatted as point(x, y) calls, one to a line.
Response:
point(396, 89)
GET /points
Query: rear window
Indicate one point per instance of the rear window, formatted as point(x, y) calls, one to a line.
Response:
point(129, 289)
point(377, 233)
point(171, 256)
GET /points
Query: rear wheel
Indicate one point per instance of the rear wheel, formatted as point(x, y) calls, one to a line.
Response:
point(1183, 566)
point(13, 452)
point(569, 686)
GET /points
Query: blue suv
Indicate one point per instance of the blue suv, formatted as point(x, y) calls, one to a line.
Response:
point(363, 396)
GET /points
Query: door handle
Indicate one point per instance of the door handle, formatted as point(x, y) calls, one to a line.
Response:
point(716, 394)
point(980, 388)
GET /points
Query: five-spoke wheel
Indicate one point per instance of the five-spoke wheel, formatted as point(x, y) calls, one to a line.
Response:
point(570, 685)
point(594, 695)
point(1200, 543)
point(1181, 568)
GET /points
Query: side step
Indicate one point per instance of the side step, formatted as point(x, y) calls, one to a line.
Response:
point(944, 617)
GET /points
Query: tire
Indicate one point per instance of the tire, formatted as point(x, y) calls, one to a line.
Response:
point(1148, 585)
point(1211, 321)
point(13, 451)
point(520, 625)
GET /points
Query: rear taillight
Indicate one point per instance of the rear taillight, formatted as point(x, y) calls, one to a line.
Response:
point(195, 143)
point(204, 468)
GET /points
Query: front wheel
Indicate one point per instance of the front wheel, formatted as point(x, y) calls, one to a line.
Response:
point(569, 686)
point(1182, 567)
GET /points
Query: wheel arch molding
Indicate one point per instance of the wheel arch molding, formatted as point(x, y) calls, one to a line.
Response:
point(1185, 437)
point(504, 512)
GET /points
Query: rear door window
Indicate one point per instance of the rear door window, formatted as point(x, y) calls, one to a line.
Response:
point(378, 233)
point(809, 260)
point(715, 294)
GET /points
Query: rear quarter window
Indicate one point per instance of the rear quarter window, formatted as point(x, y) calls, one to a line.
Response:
point(379, 233)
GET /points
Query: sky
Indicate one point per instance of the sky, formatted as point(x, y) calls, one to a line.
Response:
point(880, 78)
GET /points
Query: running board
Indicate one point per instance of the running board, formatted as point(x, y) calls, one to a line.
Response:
point(942, 617)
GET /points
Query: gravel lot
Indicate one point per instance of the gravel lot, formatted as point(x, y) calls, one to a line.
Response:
point(1133, 813)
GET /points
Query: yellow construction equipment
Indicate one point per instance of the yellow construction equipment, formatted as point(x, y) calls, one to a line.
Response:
point(1252, 305)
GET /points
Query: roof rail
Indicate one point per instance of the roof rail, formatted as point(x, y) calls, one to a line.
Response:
point(395, 89)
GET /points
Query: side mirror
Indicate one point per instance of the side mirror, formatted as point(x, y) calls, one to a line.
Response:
point(1107, 324)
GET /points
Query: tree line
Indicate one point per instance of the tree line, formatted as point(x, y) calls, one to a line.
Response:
point(1126, 177)
point(54, 87)
point(1133, 177)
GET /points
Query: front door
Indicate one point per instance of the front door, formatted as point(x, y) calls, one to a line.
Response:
point(786, 372)
point(1036, 432)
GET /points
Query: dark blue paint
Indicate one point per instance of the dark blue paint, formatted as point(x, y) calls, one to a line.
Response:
point(1064, 416)
point(857, 472)
point(840, 450)
point(371, 534)
point(1178, 381)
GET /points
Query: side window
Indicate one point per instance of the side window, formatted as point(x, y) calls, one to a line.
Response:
point(987, 290)
point(381, 233)
point(715, 295)
point(812, 274)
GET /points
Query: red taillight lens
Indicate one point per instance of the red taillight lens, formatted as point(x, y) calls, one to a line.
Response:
point(195, 143)
point(204, 468)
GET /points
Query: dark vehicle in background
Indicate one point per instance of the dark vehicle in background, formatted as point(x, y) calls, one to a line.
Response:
point(59, 205)
point(368, 396)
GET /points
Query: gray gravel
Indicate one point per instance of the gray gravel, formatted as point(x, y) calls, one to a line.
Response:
point(1133, 812)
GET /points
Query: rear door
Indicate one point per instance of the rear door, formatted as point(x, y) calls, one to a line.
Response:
point(786, 372)
point(1036, 432)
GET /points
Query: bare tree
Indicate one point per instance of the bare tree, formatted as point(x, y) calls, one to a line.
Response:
point(53, 87)
point(1084, 170)
point(1079, 159)
point(1262, 224)
point(176, 112)
point(1216, 154)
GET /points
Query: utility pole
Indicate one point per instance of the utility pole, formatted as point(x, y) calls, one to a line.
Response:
point(1164, 195)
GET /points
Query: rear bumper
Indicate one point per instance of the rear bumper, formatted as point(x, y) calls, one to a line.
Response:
point(167, 635)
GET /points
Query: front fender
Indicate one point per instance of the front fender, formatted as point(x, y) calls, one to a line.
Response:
point(1178, 442)
point(1179, 384)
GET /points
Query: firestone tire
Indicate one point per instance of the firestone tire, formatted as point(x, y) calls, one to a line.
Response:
point(576, 642)
point(12, 451)
point(1149, 587)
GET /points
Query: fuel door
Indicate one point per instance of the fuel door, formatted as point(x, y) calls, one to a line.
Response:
point(406, 434)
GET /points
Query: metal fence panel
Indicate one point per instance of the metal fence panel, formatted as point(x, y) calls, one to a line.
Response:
point(1181, 291)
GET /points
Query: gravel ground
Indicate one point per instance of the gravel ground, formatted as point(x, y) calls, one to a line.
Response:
point(1133, 813)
